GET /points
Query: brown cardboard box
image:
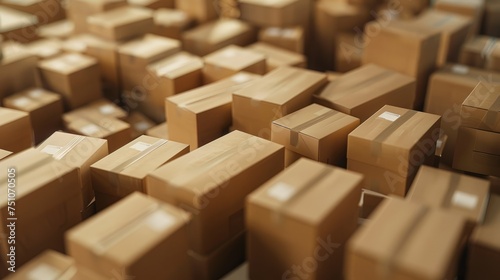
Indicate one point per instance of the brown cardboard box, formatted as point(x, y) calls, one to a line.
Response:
point(135, 56)
point(153, 4)
point(289, 38)
point(76, 77)
point(315, 132)
point(491, 18)
point(395, 243)
point(370, 201)
point(472, 9)
point(481, 109)
point(79, 152)
point(172, 75)
point(406, 48)
point(212, 183)
point(124, 171)
point(221, 261)
point(301, 209)
point(159, 131)
point(16, 130)
point(465, 195)
point(391, 145)
point(46, 10)
point(363, 91)
point(277, 57)
point(4, 154)
point(171, 23)
point(201, 10)
point(139, 124)
point(45, 110)
point(101, 108)
point(79, 10)
point(482, 52)
point(17, 69)
point(121, 23)
point(231, 60)
point(484, 245)
point(347, 56)
point(18, 26)
point(279, 93)
point(201, 115)
point(138, 238)
point(477, 151)
point(279, 13)
point(61, 30)
point(411, 8)
point(222, 33)
point(448, 89)
point(239, 273)
point(53, 265)
point(45, 48)
point(47, 203)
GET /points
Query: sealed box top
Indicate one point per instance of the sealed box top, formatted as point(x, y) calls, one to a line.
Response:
point(406, 30)
point(100, 5)
point(99, 108)
point(398, 232)
point(193, 174)
point(388, 138)
point(233, 57)
point(171, 17)
point(10, 115)
point(94, 126)
point(283, 84)
point(212, 95)
point(45, 48)
point(141, 156)
point(68, 63)
point(481, 109)
point(464, 75)
point(82, 42)
point(120, 16)
point(218, 31)
point(461, 194)
point(150, 46)
point(442, 21)
point(307, 191)
point(14, 19)
point(176, 65)
point(483, 45)
point(58, 29)
point(127, 230)
point(31, 99)
point(278, 56)
point(270, 4)
point(487, 233)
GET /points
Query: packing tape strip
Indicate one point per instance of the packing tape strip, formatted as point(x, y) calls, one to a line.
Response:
point(341, 92)
point(25, 170)
point(277, 85)
point(68, 147)
point(294, 136)
point(488, 49)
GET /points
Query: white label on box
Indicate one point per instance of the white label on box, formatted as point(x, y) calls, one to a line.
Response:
point(273, 31)
point(106, 109)
point(141, 126)
point(439, 143)
point(35, 93)
point(90, 129)
point(281, 191)
point(51, 150)
point(389, 116)
point(460, 69)
point(140, 146)
point(240, 78)
point(43, 271)
point(322, 112)
point(160, 220)
point(464, 200)
point(21, 102)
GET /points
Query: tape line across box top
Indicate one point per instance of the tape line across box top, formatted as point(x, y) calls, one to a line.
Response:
point(144, 149)
point(48, 272)
point(488, 49)
point(338, 89)
point(277, 85)
point(294, 136)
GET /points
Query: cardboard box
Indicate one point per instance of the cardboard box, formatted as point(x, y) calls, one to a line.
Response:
point(122, 23)
point(16, 130)
point(277, 57)
point(153, 4)
point(172, 75)
point(301, 210)
point(406, 48)
point(76, 77)
point(482, 52)
point(139, 124)
point(61, 30)
point(472, 9)
point(47, 203)
point(45, 110)
point(477, 151)
point(231, 60)
point(18, 26)
point(223, 32)
point(159, 131)
point(137, 54)
point(135, 238)
point(201, 115)
point(347, 56)
point(481, 109)
point(124, 171)
point(461, 194)
point(315, 132)
point(490, 20)
point(391, 245)
point(115, 131)
point(280, 13)
point(212, 183)
point(4, 154)
point(279, 93)
point(79, 152)
point(79, 10)
point(45, 48)
point(17, 69)
point(171, 23)
point(221, 261)
point(289, 38)
point(101, 108)
point(46, 10)
point(363, 91)
point(391, 145)
point(484, 246)
point(448, 89)
point(201, 10)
